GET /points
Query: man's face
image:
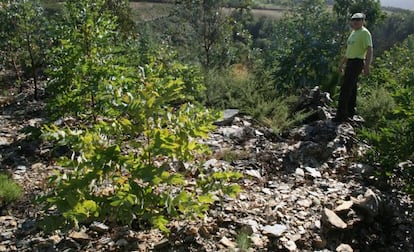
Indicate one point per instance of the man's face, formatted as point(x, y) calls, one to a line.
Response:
point(357, 23)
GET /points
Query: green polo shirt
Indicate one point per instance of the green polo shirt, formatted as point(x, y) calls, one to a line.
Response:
point(358, 42)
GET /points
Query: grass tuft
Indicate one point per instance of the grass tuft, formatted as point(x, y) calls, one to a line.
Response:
point(9, 190)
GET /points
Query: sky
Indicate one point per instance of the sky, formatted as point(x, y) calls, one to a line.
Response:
point(404, 4)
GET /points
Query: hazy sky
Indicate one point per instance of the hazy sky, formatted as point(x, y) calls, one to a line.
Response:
point(404, 4)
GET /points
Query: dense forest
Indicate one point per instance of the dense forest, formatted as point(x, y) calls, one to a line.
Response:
point(130, 87)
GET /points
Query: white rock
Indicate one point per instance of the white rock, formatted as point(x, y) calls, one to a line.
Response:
point(267, 191)
point(79, 236)
point(99, 227)
point(330, 218)
point(226, 242)
point(5, 141)
point(251, 225)
point(300, 172)
point(345, 206)
point(291, 245)
point(210, 163)
point(275, 230)
point(305, 203)
point(254, 173)
point(313, 172)
point(257, 240)
point(344, 248)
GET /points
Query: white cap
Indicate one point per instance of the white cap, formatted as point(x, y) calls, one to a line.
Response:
point(358, 16)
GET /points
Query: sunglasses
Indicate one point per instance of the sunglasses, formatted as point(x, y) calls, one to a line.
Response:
point(356, 19)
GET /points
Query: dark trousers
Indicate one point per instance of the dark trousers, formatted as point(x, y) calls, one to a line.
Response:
point(347, 97)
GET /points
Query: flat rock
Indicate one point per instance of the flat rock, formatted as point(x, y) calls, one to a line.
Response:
point(5, 141)
point(6, 235)
point(345, 206)
point(344, 248)
point(55, 239)
point(257, 240)
point(3, 248)
point(250, 226)
point(274, 230)
point(313, 172)
point(300, 172)
point(79, 236)
point(254, 173)
point(8, 221)
point(99, 227)
point(226, 242)
point(305, 203)
point(228, 116)
point(330, 218)
point(290, 246)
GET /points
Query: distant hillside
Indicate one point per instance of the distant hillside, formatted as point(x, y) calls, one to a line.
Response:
point(403, 4)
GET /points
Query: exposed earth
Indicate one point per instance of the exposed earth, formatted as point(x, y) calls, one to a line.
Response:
point(303, 190)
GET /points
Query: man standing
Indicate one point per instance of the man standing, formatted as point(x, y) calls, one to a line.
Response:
point(358, 57)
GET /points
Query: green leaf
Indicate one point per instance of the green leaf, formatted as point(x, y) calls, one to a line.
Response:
point(206, 199)
point(160, 222)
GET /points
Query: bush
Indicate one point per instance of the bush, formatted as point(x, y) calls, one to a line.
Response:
point(119, 170)
point(144, 119)
point(391, 134)
point(374, 104)
point(9, 190)
point(238, 88)
point(392, 146)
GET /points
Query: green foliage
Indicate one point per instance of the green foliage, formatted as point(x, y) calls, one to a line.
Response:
point(392, 134)
point(127, 156)
point(395, 28)
point(89, 63)
point(392, 145)
point(371, 8)
point(304, 47)
point(122, 11)
point(216, 38)
point(375, 104)
point(23, 38)
point(253, 96)
point(83, 64)
point(279, 113)
point(9, 190)
point(143, 121)
point(243, 241)
point(119, 166)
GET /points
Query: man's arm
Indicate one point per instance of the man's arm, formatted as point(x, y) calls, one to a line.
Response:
point(368, 60)
point(342, 64)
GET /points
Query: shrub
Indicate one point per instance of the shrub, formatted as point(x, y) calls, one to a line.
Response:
point(83, 62)
point(392, 134)
point(119, 166)
point(375, 104)
point(23, 40)
point(9, 190)
point(144, 119)
point(256, 97)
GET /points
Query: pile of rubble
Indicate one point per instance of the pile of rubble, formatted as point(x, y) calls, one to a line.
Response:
point(303, 190)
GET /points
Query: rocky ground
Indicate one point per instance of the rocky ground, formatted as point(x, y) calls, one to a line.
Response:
point(304, 190)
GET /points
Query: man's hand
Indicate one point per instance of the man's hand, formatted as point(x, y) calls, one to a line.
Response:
point(341, 69)
point(368, 60)
point(367, 70)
